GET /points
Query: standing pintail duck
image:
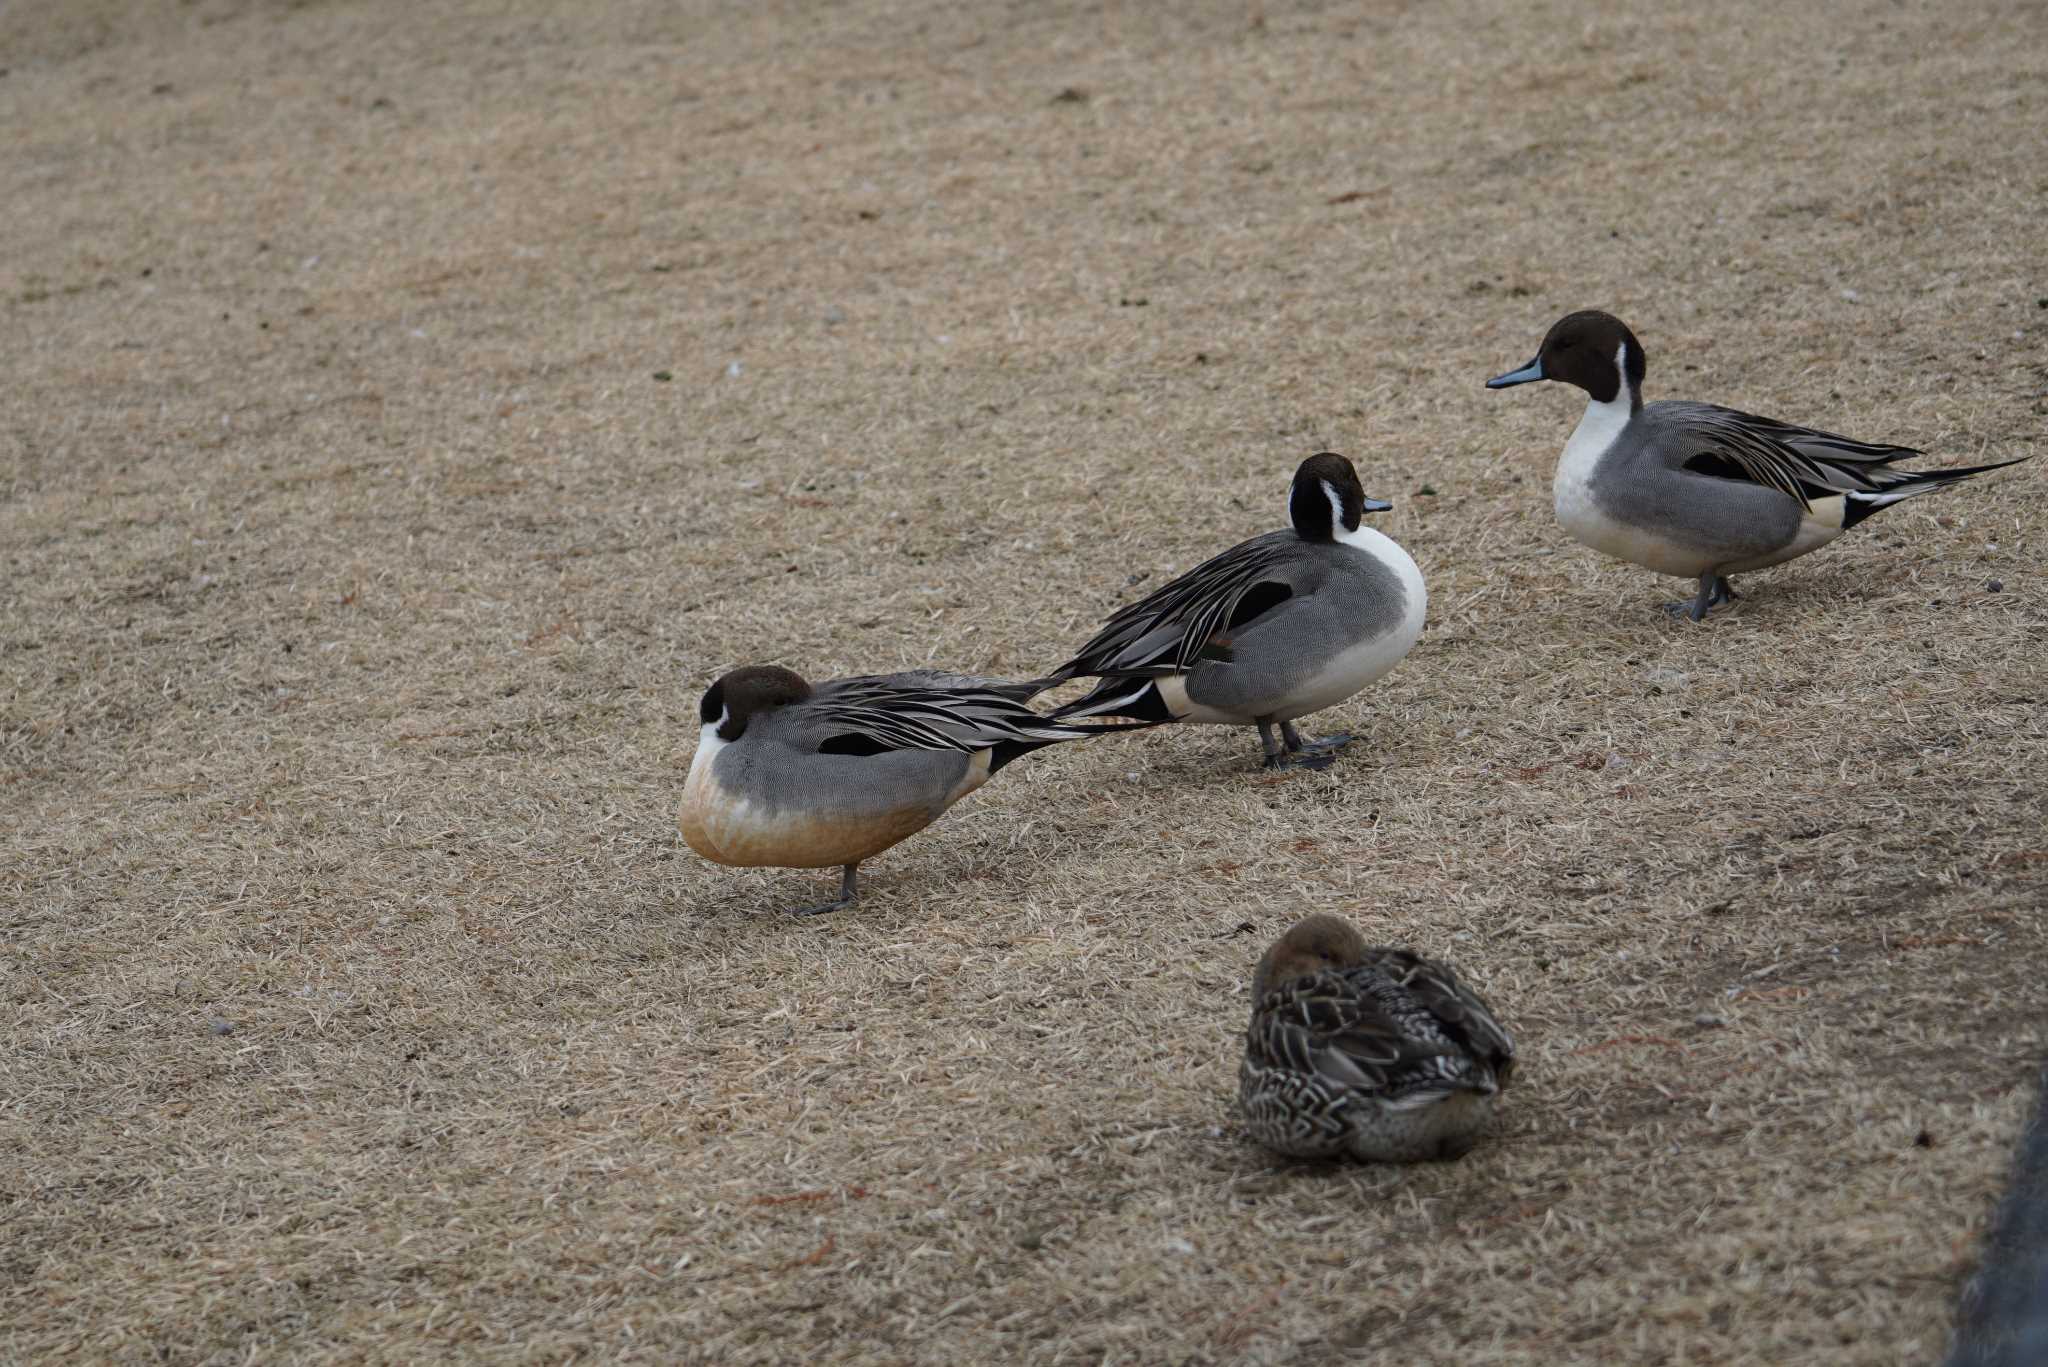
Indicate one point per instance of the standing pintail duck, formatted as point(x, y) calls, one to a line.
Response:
point(794, 776)
point(1697, 490)
point(1375, 1053)
point(1274, 628)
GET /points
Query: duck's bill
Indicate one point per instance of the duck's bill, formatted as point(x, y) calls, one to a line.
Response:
point(1376, 505)
point(1531, 371)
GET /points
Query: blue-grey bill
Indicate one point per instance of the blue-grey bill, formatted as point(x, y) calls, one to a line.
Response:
point(1531, 371)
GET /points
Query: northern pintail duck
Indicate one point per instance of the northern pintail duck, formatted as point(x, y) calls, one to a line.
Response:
point(1272, 629)
point(1372, 1052)
point(789, 775)
point(1694, 489)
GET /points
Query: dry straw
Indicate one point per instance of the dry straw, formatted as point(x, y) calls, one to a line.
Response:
point(409, 409)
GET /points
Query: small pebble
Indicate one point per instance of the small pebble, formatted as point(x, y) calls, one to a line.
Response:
point(222, 1027)
point(1707, 1020)
point(1994, 586)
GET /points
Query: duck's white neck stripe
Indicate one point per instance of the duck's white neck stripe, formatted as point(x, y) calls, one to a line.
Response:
point(709, 744)
point(1337, 527)
point(1599, 427)
point(1603, 422)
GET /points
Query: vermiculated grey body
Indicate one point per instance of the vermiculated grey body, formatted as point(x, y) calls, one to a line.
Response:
point(1279, 626)
point(1712, 523)
point(783, 770)
point(1277, 656)
point(795, 776)
point(1696, 489)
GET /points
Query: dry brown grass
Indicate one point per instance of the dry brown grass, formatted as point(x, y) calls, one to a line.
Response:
point(361, 576)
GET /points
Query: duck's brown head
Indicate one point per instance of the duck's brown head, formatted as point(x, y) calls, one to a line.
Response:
point(746, 693)
point(1310, 945)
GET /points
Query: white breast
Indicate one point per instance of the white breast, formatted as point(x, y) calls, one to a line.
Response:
point(1572, 489)
point(1579, 513)
point(1368, 660)
point(1390, 553)
point(1346, 673)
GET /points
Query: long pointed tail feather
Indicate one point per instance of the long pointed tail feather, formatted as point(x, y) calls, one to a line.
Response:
point(1118, 697)
point(1860, 504)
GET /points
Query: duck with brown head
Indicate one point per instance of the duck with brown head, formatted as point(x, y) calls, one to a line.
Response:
point(1695, 489)
point(1272, 629)
point(792, 775)
point(1372, 1053)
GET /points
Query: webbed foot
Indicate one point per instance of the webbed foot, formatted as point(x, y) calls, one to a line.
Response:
point(1301, 759)
point(1714, 591)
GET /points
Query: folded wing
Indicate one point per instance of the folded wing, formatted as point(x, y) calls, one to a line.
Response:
point(1190, 618)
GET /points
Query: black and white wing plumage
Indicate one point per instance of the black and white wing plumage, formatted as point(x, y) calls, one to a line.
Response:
point(1801, 462)
point(1331, 1053)
point(928, 709)
point(1190, 618)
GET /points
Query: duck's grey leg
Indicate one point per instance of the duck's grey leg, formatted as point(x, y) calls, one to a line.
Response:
point(1714, 591)
point(1276, 758)
point(846, 895)
point(1327, 745)
point(1292, 756)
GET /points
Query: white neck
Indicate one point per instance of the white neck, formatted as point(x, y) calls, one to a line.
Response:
point(1602, 422)
point(1598, 427)
point(1388, 552)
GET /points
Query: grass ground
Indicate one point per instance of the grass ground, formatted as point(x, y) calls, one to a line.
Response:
point(409, 409)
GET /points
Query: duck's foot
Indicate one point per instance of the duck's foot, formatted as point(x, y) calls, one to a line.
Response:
point(1302, 759)
point(1289, 751)
point(1714, 591)
point(847, 895)
point(1297, 745)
